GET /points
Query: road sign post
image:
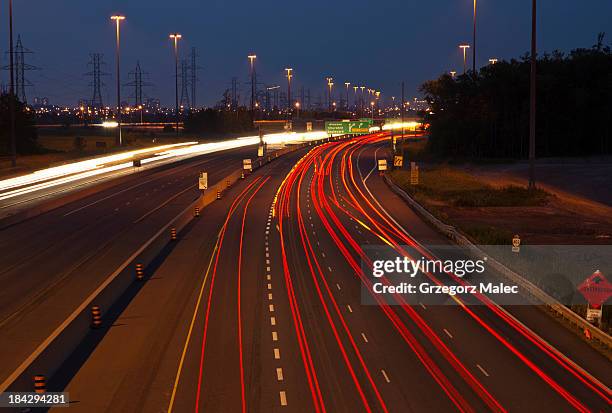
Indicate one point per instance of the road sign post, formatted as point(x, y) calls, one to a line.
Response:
point(348, 127)
point(516, 244)
point(398, 161)
point(382, 165)
point(203, 181)
point(414, 173)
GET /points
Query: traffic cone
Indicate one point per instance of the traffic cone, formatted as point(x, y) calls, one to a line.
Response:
point(197, 211)
point(40, 384)
point(96, 317)
point(139, 271)
point(173, 234)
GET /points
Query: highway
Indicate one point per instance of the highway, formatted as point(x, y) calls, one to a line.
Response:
point(258, 307)
point(51, 262)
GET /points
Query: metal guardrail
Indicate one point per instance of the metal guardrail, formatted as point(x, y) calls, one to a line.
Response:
point(579, 323)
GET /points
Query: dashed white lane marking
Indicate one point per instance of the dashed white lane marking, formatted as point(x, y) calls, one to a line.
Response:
point(272, 321)
point(448, 333)
point(274, 336)
point(276, 354)
point(268, 269)
point(384, 373)
point(269, 286)
point(268, 262)
point(349, 308)
point(364, 337)
point(267, 253)
point(268, 277)
point(338, 286)
point(423, 305)
point(330, 269)
point(267, 232)
point(269, 296)
point(283, 398)
point(279, 373)
point(271, 308)
point(482, 370)
point(323, 254)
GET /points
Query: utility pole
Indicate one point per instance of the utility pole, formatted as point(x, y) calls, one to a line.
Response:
point(532, 108)
point(12, 96)
point(474, 41)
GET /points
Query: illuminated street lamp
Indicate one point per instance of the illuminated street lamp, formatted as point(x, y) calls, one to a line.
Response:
point(464, 47)
point(118, 20)
point(362, 98)
point(453, 73)
point(289, 75)
point(347, 84)
point(176, 37)
point(372, 110)
point(329, 92)
point(297, 107)
point(252, 58)
point(493, 60)
point(355, 96)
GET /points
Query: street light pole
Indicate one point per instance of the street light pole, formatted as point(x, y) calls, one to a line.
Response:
point(118, 20)
point(532, 109)
point(252, 58)
point(289, 76)
point(12, 97)
point(464, 47)
point(176, 37)
point(474, 42)
point(347, 84)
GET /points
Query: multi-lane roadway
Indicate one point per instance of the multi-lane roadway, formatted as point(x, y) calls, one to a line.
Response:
point(258, 307)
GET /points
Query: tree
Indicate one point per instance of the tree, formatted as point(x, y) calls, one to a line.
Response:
point(486, 114)
point(25, 130)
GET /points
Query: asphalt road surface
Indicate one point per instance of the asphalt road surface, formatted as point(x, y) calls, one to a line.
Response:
point(50, 263)
point(259, 307)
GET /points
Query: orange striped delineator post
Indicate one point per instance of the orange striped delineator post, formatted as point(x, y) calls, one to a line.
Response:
point(40, 385)
point(227, 183)
point(139, 271)
point(173, 234)
point(218, 194)
point(242, 175)
point(587, 333)
point(197, 211)
point(96, 316)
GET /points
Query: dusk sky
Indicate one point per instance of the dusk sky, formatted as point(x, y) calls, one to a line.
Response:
point(377, 43)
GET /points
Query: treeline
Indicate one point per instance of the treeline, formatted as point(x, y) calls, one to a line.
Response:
point(25, 131)
point(486, 114)
point(212, 121)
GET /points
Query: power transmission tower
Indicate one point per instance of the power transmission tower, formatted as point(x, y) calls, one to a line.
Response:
point(138, 83)
point(184, 102)
point(20, 68)
point(193, 71)
point(96, 74)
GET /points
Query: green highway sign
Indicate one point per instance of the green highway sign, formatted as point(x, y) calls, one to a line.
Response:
point(348, 127)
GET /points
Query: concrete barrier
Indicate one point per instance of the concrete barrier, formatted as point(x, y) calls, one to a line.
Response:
point(49, 356)
point(579, 324)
